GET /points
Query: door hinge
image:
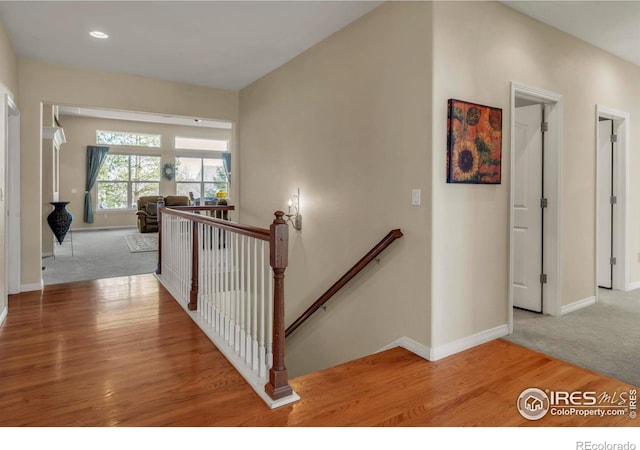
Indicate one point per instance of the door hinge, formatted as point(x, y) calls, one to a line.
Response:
point(614, 138)
point(544, 127)
point(544, 203)
point(543, 278)
point(612, 261)
point(613, 199)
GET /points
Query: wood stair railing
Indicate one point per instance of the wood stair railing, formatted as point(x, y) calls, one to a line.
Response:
point(351, 273)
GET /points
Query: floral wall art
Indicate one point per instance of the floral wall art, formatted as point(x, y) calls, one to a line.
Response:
point(474, 143)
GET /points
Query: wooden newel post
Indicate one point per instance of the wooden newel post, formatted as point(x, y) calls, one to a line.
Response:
point(159, 268)
point(193, 293)
point(278, 385)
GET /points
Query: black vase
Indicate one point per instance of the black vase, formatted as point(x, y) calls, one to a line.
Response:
point(60, 220)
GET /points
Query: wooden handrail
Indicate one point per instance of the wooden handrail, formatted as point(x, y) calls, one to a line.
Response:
point(204, 208)
point(277, 235)
point(247, 230)
point(366, 259)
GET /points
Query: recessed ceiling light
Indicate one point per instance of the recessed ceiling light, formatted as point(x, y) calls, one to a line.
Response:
point(197, 120)
point(99, 34)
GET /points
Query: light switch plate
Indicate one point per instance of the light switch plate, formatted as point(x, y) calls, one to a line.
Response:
point(415, 197)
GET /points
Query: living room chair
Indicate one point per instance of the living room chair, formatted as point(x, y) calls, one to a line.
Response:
point(148, 210)
point(148, 213)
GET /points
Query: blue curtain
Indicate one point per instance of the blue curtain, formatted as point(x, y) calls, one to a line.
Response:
point(226, 161)
point(95, 159)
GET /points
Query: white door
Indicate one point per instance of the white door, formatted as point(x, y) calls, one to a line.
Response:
point(605, 208)
point(527, 231)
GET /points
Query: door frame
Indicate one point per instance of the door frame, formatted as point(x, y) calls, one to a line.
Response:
point(621, 120)
point(13, 198)
point(552, 299)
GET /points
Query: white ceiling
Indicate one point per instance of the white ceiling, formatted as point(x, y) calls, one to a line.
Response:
point(613, 26)
point(230, 44)
point(223, 44)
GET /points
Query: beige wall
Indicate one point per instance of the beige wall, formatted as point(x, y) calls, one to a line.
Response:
point(8, 86)
point(479, 48)
point(81, 131)
point(8, 64)
point(55, 84)
point(348, 122)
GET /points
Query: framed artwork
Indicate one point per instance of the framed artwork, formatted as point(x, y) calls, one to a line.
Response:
point(474, 143)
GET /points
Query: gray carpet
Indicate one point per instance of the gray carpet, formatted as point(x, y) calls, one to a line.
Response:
point(96, 254)
point(604, 337)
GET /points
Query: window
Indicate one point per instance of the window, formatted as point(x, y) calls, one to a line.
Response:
point(127, 139)
point(187, 143)
point(200, 175)
point(124, 178)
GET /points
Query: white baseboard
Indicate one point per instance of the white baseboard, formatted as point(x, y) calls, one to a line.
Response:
point(433, 354)
point(47, 254)
point(416, 347)
point(468, 342)
point(3, 315)
point(571, 307)
point(633, 285)
point(32, 287)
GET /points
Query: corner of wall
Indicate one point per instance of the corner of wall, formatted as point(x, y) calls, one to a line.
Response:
point(3, 315)
point(468, 342)
point(28, 287)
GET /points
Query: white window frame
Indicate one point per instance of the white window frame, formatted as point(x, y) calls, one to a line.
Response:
point(131, 133)
point(129, 182)
point(202, 182)
point(200, 148)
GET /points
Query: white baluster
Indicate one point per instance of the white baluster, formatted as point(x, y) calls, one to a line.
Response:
point(226, 286)
point(216, 255)
point(248, 358)
point(254, 327)
point(236, 295)
point(204, 263)
point(232, 305)
point(269, 273)
point(210, 275)
point(243, 344)
point(263, 288)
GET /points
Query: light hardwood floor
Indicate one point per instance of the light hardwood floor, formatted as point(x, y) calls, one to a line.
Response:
point(121, 352)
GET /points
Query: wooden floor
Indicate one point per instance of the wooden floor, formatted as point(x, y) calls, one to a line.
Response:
point(121, 352)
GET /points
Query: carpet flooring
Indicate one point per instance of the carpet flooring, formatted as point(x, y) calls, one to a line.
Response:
point(97, 254)
point(604, 337)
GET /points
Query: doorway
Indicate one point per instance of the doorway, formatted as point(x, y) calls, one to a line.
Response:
point(536, 137)
point(9, 130)
point(13, 199)
point(611, 195)
point(606, 202)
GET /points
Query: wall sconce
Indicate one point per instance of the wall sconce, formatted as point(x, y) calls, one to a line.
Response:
point(295, 219)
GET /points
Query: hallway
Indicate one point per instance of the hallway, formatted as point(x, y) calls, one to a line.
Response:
point(122, 352)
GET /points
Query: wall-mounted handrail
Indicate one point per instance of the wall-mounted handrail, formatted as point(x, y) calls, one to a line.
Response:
point(351, 273)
